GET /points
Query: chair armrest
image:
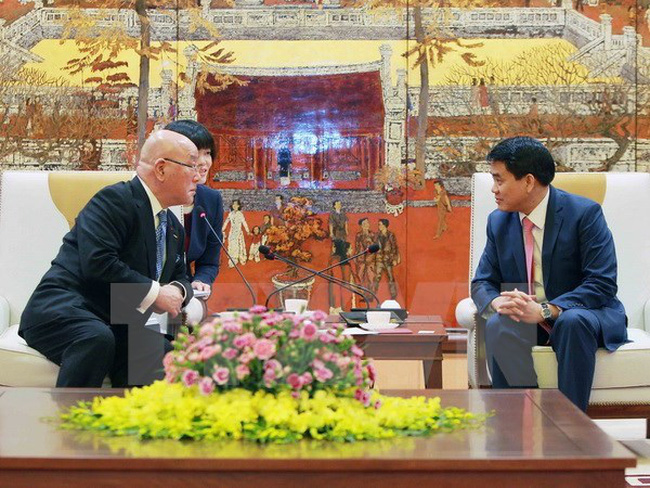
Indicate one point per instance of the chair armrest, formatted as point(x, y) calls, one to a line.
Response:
point(646, 317)
point(467, 316)
point(466, 313)
point(195, 311)
point(5, 314)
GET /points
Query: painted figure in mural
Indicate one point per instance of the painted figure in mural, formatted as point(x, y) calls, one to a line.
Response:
point(256, 242)
point(631, 16)
point(236, 241)
point(201, 246)
point(533, 121)
point(444, 207)
point(483, 97)
point(340, 250)
point(338, 222)
point(29, 115)
point(284, 162)
point(475, 96)
point(387, 257)
point(365, 264)
point(69, 316)
point(493, 98)
point(90, 155)
point(557, 247)
point(34, 114)
point(276, 211)
point(266, 224)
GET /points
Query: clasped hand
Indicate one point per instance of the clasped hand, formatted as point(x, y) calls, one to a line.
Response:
point(519, 306)
point(200, 286)
point(170, 300)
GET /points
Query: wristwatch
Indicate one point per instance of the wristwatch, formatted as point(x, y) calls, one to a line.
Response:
point(546, 311)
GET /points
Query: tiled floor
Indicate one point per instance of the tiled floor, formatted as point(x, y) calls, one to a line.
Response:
point(632, 434)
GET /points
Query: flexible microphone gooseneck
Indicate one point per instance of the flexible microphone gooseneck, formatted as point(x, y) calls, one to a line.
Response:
point(203, 215)
point(353, 287)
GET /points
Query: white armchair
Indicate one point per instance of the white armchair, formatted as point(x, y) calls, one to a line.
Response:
point(621, 386)
point(36, 210)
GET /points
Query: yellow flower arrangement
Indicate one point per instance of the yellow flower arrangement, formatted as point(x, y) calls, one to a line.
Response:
point(172, 411)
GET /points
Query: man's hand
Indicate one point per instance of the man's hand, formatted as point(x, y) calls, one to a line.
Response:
point(170, 300)
point(519, 306)
point(200, 286)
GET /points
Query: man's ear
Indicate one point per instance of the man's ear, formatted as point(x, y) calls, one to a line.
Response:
point(530, 182)
point(159, 169)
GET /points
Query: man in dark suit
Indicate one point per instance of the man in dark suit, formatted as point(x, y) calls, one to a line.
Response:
point(547, 275)
point(123, 260)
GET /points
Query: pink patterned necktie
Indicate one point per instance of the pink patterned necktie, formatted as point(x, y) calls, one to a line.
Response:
point(529, 244)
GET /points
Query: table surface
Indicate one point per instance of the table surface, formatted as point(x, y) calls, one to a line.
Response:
point(552, 436)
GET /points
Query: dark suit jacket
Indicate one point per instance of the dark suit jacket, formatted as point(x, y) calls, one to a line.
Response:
point(578, 260)
point(204, 250)
point(113, 241)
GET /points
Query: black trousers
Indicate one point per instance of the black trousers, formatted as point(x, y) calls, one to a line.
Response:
point(88, 350)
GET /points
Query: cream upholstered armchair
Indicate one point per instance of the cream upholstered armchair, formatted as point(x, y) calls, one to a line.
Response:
point(621, 386)
point(36, 210)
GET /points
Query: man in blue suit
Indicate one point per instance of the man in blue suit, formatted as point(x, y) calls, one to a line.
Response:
point(564, 294)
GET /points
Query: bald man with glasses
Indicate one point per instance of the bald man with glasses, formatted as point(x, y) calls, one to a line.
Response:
point(123, 260)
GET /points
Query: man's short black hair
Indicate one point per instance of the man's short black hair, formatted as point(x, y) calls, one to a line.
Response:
point(362, 219)
point(523, 155)
point(385, 222)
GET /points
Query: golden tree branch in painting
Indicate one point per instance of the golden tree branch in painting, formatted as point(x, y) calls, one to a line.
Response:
point(544, 95)
point(433, 43)
point(101, 42)
point(45, 121)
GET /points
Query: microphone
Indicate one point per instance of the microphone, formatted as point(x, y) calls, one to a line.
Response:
point(353, 287)
point(201, 211)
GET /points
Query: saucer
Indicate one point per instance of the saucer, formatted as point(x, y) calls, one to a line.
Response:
point(388, 326)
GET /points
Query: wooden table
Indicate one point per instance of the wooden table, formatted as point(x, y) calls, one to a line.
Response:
point(425, 347)
point(552, 445)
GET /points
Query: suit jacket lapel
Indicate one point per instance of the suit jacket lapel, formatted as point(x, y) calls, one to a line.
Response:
point(145, 215)
point(516, 236)
point(551, 231)
point(172, 249)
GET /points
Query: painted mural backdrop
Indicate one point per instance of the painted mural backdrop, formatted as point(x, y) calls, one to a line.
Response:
point(338, 123)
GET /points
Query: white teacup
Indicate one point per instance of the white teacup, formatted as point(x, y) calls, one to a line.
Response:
point(376, 317)
point(295, 305)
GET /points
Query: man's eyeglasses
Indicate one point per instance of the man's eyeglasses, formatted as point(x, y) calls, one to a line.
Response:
point(195, 166)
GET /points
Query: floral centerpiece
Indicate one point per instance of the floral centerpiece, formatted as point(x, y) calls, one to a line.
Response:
point(266, 377)
point(267, 351)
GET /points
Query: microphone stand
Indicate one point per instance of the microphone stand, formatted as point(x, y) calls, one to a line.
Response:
point(354, 288)
point(203, 215)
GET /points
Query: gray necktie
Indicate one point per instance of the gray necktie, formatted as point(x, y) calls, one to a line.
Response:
point(161, 233)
